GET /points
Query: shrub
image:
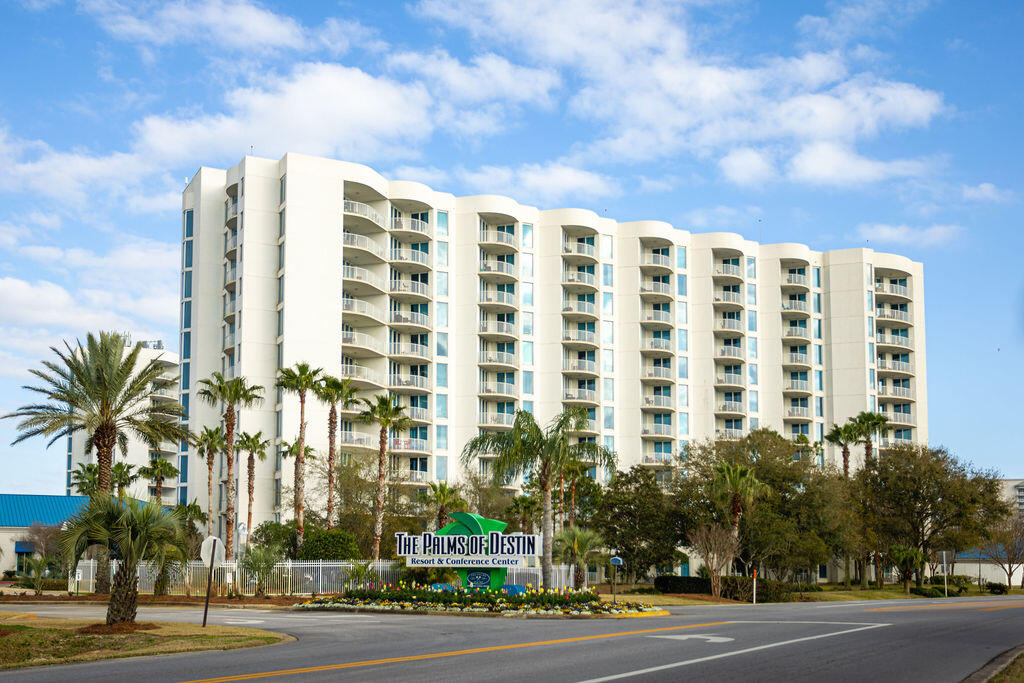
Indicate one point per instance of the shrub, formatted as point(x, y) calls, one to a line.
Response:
point(278, 535)
point(958, 583)
point(328, 544)
point(733, 587)
point(807, 588)
point(669, 583)
point(996, 588)
point(10, 574)
point(928, 592)
point(44, 584)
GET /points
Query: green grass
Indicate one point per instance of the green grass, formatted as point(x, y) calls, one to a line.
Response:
point(1012, 673)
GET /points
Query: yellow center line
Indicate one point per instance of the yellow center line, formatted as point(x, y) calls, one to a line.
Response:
point(948, 605)
point(438, 655)
point(993, 609)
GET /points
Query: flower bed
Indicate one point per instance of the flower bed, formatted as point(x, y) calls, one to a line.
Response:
point(404, 598)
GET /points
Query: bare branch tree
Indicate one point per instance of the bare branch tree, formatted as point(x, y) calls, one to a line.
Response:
point(1005, 546)
point(716, 547)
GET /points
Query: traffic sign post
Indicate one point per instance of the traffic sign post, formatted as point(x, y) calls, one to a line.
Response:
point(755, 586)
point(615, 562)
point(212, 554)
point(945, 557)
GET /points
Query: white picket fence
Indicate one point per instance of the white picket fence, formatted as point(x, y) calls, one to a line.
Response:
point(288, 578)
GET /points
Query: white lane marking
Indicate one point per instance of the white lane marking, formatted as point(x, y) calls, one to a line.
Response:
point(243, 621)
point(674, 665)
point(701, 636)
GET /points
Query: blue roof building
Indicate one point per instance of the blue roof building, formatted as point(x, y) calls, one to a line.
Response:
point(18, 511)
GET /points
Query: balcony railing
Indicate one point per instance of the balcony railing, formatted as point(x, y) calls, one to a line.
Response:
point(895, 365)
point(579, 248)
point(361, 307)
point(728, 298)
point(731, 378)
point(798, 411)
point(797, 385)
point(363, 275)
point(730, 351)
point(411, 224)
point(584, 336)
point(731, 407)
point(899, 290)
point(500, 419)
point(893, 340)
point(794, 305)
point(229, 340)
point(358, 439)
point(794, 331)
point(654, 401)
point(366, 211)
point(798, 359)
point(396, 443)
point(409, 318)
point(417, 413)
point(898, 418)
point(360, 373)
point(397, 379)
point(411, 256)
point(499, 358)
point(573, 306)
point(728, 269)
point(498, 327)
point(731, 324)
point(657, 458)
point(657, 316)
point(363, 242)
point(652, 429)
point(576, 394)
point(656, 260)
point(579, 365)
point(412, 476)
point(499, 237)
point(901, 392)
point(657, 372)
point(796, 279)
point(490, 296)
point(397, 286)
point(360, 339)
point(407, 349)
point(890, 314)
point(652, 287)
point(496, 266)
point(579, 277)
point(892, 443)
point(499, 388)
point(729, 434)
point(657, 344)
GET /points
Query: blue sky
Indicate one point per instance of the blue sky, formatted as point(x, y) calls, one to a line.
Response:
point(888, 123)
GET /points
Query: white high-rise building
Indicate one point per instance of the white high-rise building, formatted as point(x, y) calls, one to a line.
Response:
point(469, 308)
point(139, 453)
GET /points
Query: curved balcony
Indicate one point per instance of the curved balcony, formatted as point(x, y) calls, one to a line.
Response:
point(654, 374)
point(360, 249)
point(657, 459)
point(794, 282)
point(796, 387)
point(231, 278)
point(498, 360)
point(658, 432)
point(577, 367)
point(579, 310)
point(499, 421)
point(653, 291)
point(411, 228)
point(797, 360)
point(898, 419)
point(795, 310)
point(409, 290)
point(359, 313)
point(656, 347)
point(884, 292)
point(412, 353)
point(229, 343)
point(729, 354)
point(894, 318)
point(494, 270)
point(498, 390)
point(894, 368)
point(414, 477)
point(405, 383)
point(231, 213)
point(730, 380)
point(727, 273)
point(229, 308)
point(579, 396)
point(658, 320)
point(891, 341)
point(359, 345)
point(417, 414)
point(796, 414)
point(579, 281)
point(657, 404)
point(498, 241)
point(590, 429)
point(362, 377)
point(358, 440)
point(498, 330)
point(409, 260)
point(729, 434)
point(728, 327)
point(231, 245)
point(582, 339)
point(409, 321)
point(727, 301)
point(501, 302)
point(364, 216)
point(794, 333)
point(892, 393)
point(656, 263)
point(894, 443)
point(360, 281)
point(397, 444)
point(730, 409)
point(579, 253)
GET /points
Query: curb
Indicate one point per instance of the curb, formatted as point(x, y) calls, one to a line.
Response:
point(995, 665)
point(490, 615)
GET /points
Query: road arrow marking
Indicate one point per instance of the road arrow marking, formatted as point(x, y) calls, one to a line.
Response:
point(701, 636)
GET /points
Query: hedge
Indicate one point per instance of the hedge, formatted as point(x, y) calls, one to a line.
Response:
point(930, 592)
point(48, 585)
point(733, 587)
point(328, 544)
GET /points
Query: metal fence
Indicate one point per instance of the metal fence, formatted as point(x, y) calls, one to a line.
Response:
point(287, 578)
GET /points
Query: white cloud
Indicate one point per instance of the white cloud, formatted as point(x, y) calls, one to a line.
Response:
point(428, 175)
point(986, 192)
point(721, 217)
point(746, 166)
point(488, 77)
point(855, 19)
point(827, 163)
point(542, 185)
point(932, 236)
point(48, 304)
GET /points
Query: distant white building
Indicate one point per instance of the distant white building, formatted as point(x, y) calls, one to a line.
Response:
point(139, 454)
point(1013, 491)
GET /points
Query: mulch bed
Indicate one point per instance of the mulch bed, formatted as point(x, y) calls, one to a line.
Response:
point(107, 629)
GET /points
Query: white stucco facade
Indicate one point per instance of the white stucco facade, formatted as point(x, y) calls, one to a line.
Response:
point(469, 308)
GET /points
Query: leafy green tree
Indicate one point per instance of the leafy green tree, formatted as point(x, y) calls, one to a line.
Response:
point(335, 393)
point(542, 454)
point(85, 479)
point(738, 487)
point(259, 561)
point(865, 425)
point(210, 441)
point(156, 471)
point(300, 380)
point(1005, 545)
point(384, 412)
point(578, 547)
point(526, 509)
point(135, 531)
point(632, 519)
point(280, 535)
point(328, 544)
point(234, 394)
point(907, 560)
point(443, 498)
point(123, 475)
point(256, 446)
point(844, 436)
point(486, 495)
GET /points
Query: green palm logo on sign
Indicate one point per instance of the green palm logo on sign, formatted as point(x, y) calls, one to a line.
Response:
point(470, 524)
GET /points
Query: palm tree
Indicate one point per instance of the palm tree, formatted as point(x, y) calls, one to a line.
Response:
point(136, 531)
point(577, 547)
point(526, 508)
point(383, 411)
point(123, 475)
point(844, 436)
point(443, 497)
point(738, 487)
point(334, 392)
point(85, 479)
point(217, 390)
point(96, 388)
point(211, 442)
point(542, 454)
point(574, 472)
point(866, 424)
point(256, 446)
point(158, 470)
point(300, 380)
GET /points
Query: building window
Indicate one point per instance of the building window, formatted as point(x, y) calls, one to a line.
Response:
point(528, 353)
point(752, 396)
point(752, 373)
point(681, 285)
point(684, 395)
point(684, 424)
point(527, 261)
point(817, 277)
point(684, 367)
point(442, 283)
point(185, 368)
point(280, 224)
point(442, 374)
point(609, 418)
point(681, 313)
point(442, 314)
point(186, 345)
point(818, 355)
point(752, 321)
point(528, 407)
point(606, 275)
point(819, 381)
point(186, 314)
point(527, 235)
point(188, 254)
point(188, 223)
point(607, 247)
point(681, 340)
point(442, 254)
point(819, 406)
point(441, 401)
point(752, 347)
point(284, 189)
point(751, 295)
point(609, 389)
point(607, 304)
point(186, 284)
point(751, 267)
point(680, 257)
point(607, 332)
point(441, 437)
point(817, 302)
point(280, 289)
point(442, 344)
point(607, 360)
point(442, 223)
point(528, 323)
point(817, 328)
point(527, 382)
point(528, 294)
point(441, 467)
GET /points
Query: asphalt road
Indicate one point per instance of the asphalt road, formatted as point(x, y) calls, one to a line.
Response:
point(914, 640)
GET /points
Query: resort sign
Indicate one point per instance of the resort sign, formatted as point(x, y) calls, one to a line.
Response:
point(473, 545)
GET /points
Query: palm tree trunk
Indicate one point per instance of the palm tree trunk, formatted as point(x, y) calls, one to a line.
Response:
point(572, 503)
point(300, 473)
point(252, 487)
point(124, 596)
point(105, 441)
point(846, 461)
point(158, 490)
point(549, 531)
point(442, 512)
point(869, 449)
point(846, 570)
point(378, 503)
point(879, 571)
point(209, 492)
point(864, 570)
point(561, 500)
point(229, 457)
point(332, 427)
